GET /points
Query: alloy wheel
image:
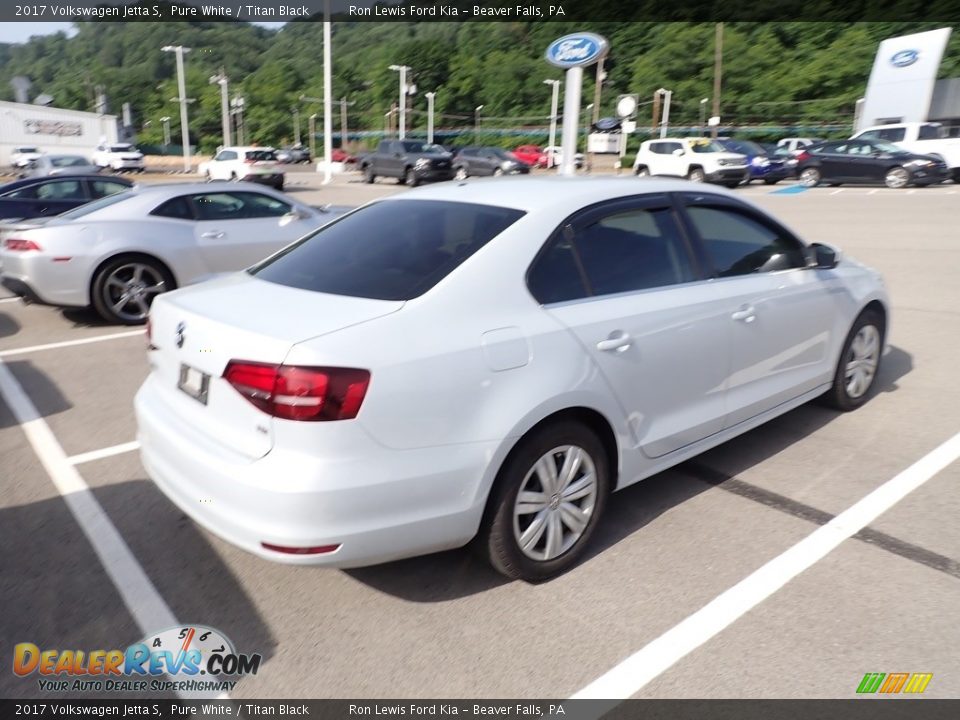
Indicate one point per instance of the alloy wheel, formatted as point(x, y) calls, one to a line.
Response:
point(862, 360)
point(897, 177)
point(555, 503)
point(130, 288)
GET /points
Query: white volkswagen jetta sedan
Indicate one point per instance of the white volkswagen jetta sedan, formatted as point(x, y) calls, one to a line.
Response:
point(488, 361)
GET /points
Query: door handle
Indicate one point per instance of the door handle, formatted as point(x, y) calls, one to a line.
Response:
point(746, 314)
point(214, 234)
point(619, 343)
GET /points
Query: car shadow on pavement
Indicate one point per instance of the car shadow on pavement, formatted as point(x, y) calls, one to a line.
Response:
point(55, 593)
point(88, 317)
point(8, 325)
point(42, 391)
point(460, 573)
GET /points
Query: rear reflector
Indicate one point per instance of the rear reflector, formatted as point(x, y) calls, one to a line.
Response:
point(318, 550)
point(300, 393)
point(18, 245)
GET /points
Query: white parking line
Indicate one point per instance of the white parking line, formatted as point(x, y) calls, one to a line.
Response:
point(628, 677)
point(837, 192)
point(103, 453)
point(69, 343)
point(140, 596)
point(8, 299)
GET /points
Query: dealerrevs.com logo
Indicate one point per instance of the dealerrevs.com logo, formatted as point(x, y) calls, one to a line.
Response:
point(180, 659)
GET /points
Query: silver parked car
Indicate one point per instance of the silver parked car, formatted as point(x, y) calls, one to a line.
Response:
point(120, 252)
point(60, 165)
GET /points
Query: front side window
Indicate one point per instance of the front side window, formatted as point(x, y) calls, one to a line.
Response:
point(102, 188)
point(929, 132)
point(238, 206)
point(893, 134)
point(226, 155)
point(68, 161)
point(178, 208)
point(740, 243)
point(391, 250)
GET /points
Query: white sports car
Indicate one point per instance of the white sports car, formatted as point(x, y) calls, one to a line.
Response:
point(120, 252)
point(490, 360)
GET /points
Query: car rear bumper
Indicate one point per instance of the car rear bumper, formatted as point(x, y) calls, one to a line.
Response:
point(377, 506)
point(434, 174)
point(40, 279)
point(264, 178)
point(20, 288)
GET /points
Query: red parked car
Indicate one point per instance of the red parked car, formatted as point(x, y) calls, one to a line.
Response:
point(341, 155)
point(529, 154)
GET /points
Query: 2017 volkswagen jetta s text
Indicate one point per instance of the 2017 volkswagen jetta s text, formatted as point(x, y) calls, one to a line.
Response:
point(489, 361)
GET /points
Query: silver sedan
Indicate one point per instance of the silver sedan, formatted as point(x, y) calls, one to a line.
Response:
point(120, 252)
point(47, 165)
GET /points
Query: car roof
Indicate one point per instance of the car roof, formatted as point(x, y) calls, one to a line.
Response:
point(532, 194)
point(26, 182)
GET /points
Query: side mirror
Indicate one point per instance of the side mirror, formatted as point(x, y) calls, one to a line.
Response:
point(822, 257)
point(678, 152)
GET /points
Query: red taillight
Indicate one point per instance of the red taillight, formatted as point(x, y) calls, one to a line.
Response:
point(20, 245)
point(300, 393)
point(802, 155)
point(318, 550)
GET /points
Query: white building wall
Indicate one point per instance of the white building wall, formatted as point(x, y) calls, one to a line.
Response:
point(53, 130)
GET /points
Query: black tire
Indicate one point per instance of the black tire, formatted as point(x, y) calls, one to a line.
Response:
point(771, 181)
point(839, 396)
point(461, 173)
point(955, 174)
point(732, 185)
point(497, 172)
point(696, 174)
point(368, 175)
point(410, 178)
point(278, 185)
point(642, 171)
point(100, 293)
point(897, 177)
point(497, 539)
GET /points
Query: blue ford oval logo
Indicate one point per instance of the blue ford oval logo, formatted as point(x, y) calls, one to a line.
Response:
point(904, 58)
point(576, 50)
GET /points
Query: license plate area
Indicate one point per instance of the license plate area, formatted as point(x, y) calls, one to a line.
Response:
point(194, 383)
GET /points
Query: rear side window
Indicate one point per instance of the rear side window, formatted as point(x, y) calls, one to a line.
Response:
point(395, 250)
point(260, 155)
point(740, 244)
point(102, 188)
point(893, 134)
point(624, 251)
point(178, 207)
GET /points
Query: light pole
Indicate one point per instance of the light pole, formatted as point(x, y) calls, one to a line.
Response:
point(430, 97)
point(553, 119)
point(313, 132)
point(296, 124)
point(181, 86)
point(166, 129)
point(237, 104)
point(222, 80)
point(586, 125)
point(402, 69)
point(665, 121)
point(476, 128)
point(703, 113)
point(327, 95)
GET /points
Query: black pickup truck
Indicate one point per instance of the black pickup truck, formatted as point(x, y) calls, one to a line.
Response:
point(410, 161)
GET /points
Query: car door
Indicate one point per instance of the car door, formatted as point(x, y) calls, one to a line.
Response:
point(102, 187)
point(222, 165)
point(621, 277)
point(237, 229)
point(674, 159)
point(864, 162)
point(783, 313)
point(655, 158)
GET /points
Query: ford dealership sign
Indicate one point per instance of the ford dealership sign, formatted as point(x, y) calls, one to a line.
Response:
point(904, 58)
point(577, 50)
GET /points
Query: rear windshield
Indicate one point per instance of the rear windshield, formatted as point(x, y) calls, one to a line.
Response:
point(395, 250)
point(68, 161)
point(122, 148)
point(26, 150)
point(257, 155)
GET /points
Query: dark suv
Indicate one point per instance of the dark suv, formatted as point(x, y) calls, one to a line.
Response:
point(410, 161)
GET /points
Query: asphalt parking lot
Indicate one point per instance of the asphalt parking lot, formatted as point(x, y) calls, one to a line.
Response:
point(446, 626)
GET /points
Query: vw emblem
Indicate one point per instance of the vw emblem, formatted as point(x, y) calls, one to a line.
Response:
point(180, 337)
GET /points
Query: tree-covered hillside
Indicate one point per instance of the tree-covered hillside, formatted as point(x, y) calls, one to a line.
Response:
point(772, 72)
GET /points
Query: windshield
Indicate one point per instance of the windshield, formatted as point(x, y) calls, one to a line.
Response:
point(259, 155)
point(706, 146)
point(394, 250)
point(27, 150)
point(745, 147)
point(96, 205)
point(122, 148)
point(68, 161)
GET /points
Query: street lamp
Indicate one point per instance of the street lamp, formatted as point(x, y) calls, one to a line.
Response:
point(237, 104)
point(312, 126)
point(703, 113)
point(553, 119)
point(181, 86)
point(586, 124)
point(166, 129)
point(665, 121)
point(476, 129)
point(402, 69)
point(222, 80)
point(296, 125)
point(430, 97)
